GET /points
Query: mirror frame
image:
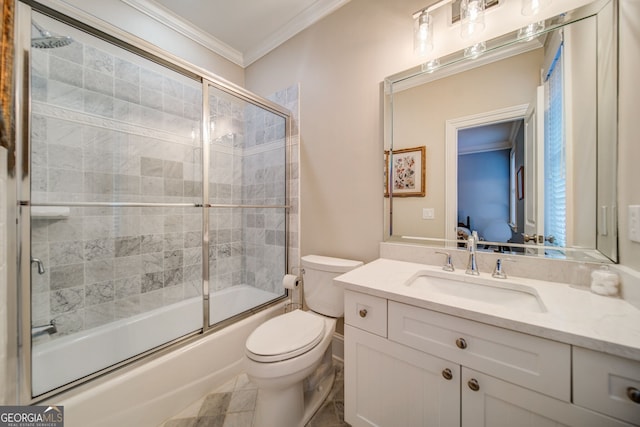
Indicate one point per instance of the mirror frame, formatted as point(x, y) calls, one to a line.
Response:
point(507, 45)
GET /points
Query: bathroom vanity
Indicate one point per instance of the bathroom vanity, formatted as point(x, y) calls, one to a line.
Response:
point(425, 347)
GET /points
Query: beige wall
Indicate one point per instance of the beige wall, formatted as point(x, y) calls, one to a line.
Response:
point(420, 114)
point(629, 127)
point(340, 63)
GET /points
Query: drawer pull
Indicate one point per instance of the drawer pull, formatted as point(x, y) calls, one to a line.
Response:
point(633, 394)
point(473, 384)
point(363, 312)
point(447, 374)
point(461, 343)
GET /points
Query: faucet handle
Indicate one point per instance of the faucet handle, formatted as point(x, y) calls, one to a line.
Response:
point(498, 271)
point(448, 265)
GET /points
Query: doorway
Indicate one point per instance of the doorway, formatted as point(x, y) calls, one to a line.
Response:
point(487, 156)
point(484, 123)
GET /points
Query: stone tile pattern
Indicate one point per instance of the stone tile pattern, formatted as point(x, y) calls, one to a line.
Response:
point(233, 405)
point(110, 128)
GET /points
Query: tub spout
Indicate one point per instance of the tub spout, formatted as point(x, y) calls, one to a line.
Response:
point(36, 331)
point(39, 263)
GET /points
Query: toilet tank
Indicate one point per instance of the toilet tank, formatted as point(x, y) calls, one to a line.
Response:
point(320, 293)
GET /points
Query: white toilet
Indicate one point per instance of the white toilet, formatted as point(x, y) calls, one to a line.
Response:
point(284, 351)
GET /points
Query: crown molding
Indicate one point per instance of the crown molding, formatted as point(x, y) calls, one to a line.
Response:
point(306, 18)
point(300, 22)
point(187, 29)
point(485, 147)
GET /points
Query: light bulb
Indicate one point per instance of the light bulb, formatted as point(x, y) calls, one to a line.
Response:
point(423, 34)
point(531, 31)
point(475, 50)
point(471, 17)
point(431, 66)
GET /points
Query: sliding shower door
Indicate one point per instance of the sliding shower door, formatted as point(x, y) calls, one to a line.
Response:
point(115, 205)
point(246, 210)
point(153, 201)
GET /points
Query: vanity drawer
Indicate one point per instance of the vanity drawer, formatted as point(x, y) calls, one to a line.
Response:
point(603, 382)
point(532, 362)
point(366, 312)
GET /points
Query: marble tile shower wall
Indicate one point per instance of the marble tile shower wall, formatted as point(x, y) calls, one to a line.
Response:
point(115, 129)
point(248, 246)
point(226, 251)
point(264, 171)
point(106, 128)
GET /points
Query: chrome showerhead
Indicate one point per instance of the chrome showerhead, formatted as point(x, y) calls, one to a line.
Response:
point(47, 40)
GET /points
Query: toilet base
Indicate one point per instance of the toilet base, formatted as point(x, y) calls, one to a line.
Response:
point(291, 406)
point(314, 399)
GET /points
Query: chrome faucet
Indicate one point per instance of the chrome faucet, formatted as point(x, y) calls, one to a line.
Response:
point(39, 264)
point(448, 265)
point(36, 331)
point(472, 265)
point(498, 271)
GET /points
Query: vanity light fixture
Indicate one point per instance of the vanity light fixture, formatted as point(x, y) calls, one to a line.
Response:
point(533, 7)
point(475, 50)
point(471, 21)
point(471, 17)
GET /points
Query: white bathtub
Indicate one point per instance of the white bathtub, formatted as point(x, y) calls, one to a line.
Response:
point(149, 393)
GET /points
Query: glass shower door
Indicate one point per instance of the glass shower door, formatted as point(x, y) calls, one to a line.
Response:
point(116, 188)
point(246, 209)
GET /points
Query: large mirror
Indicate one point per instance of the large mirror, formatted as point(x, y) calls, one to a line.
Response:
point(517, 145)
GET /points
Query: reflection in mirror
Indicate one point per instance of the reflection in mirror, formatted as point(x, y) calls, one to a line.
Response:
point(513, 142)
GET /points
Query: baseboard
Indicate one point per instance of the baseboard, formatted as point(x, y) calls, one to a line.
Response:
point(338, 346)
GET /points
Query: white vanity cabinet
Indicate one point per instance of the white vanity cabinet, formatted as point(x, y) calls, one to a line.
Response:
point(607, 384)
point(409, 366)
point(388, 384)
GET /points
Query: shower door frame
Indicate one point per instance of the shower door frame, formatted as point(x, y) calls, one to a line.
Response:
point(19, 188)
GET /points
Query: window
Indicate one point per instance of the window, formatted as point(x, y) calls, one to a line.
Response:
point(554, 154)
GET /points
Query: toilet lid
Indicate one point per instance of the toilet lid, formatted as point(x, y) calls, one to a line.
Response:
point(285, 336)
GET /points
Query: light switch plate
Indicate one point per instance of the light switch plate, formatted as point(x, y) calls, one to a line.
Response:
point(428, 213)
point(634, 223)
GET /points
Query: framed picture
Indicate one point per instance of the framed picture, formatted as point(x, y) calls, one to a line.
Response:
point(520, 183)
point(407, 172)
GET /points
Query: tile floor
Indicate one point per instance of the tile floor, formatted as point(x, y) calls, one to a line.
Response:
point(232, 405)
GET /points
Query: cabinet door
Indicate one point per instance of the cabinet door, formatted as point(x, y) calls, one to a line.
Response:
point(390, 385)
point(497, 403)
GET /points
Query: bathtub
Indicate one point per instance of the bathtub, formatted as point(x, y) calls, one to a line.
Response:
point(150, 392)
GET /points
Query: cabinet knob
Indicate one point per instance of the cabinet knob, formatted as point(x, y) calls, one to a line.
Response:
point(633, 394)
point(363, 312)
point(461, 343)
point(447, 374)
point(473, 384)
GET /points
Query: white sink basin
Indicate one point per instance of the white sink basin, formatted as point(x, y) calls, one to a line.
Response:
point(498, 292)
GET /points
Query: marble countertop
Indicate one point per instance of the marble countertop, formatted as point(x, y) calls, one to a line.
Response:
point(574, 316)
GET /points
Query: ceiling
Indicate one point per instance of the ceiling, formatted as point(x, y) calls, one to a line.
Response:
point(496, 136)
point(240, 30)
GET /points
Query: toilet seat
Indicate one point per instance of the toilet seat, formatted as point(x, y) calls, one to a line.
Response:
point(285, 337)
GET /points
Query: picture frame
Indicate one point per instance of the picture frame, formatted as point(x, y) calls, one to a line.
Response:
point(408, 172)
point(520, 183)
